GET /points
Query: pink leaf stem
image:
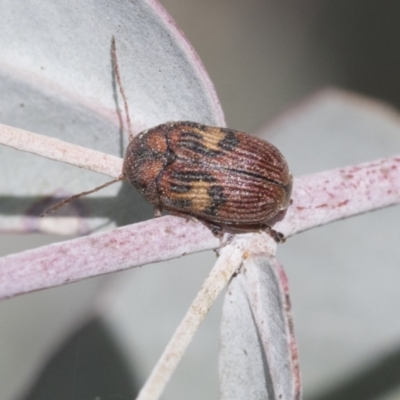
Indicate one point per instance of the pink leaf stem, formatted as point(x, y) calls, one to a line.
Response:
point(317, 199)
point(133, 245)
point(59, 150)
point(340, 193)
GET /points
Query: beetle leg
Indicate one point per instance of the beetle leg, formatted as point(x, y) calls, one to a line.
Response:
point(217, 230)
point(157, 211)
point(277, 236)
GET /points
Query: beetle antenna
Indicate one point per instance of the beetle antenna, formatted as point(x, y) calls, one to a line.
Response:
point(128, 121)
point(79, 195)
point(121, 89)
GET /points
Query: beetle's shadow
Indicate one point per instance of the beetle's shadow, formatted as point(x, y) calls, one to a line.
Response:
point(127, 207)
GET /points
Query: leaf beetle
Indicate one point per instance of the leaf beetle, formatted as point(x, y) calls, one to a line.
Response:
point(223, 177)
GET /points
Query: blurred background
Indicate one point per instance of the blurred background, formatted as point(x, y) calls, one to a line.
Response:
point(264, 57)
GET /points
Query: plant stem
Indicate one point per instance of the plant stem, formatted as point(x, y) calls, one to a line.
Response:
point(59, 150)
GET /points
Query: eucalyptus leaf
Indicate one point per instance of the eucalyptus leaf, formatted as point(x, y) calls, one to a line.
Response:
point(56, 78)
point(258, 357)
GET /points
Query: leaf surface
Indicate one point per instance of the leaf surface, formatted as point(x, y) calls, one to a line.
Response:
point(258, 357)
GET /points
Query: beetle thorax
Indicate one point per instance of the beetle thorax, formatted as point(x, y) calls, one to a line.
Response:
point(146, 156)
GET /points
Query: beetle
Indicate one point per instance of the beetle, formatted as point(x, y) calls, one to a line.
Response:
point(223, 177)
